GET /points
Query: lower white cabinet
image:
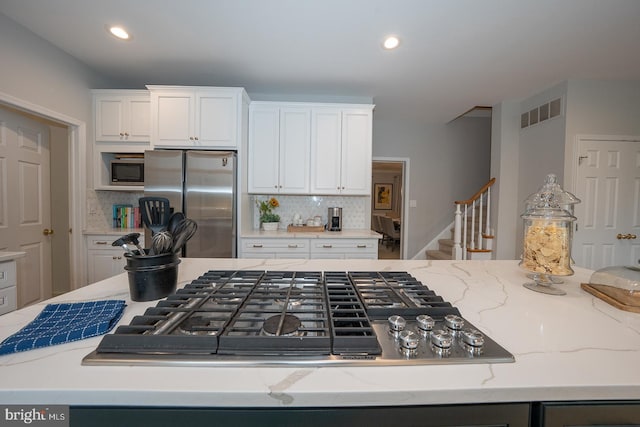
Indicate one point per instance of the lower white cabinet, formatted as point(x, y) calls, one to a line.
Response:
point(344, 249)
point(8, 286)
point(275, 248)
point(364, 248)
point(104, 260)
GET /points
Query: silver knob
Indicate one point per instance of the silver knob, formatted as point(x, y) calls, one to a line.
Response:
point(453, 322)
point(397, 323)
point(472, 337)
point(441, 339)
point(425, 323)
point(409, 340)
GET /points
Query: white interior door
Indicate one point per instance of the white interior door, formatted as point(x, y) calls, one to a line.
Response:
point(608, 183)
point(25, 202)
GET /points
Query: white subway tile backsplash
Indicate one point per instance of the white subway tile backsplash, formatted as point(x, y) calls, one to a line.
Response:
point(354, 209)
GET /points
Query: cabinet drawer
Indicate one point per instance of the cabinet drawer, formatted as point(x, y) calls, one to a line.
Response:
point(8, 299)
point(8, 274)
point(277, 245)
point(343, 245)
point(103, 242)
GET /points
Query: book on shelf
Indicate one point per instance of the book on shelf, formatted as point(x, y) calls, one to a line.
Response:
point(126, 216)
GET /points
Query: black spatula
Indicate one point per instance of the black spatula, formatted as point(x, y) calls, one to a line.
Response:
point(155, 213)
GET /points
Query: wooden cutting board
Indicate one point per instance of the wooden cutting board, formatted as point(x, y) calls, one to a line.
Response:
point(626, 304)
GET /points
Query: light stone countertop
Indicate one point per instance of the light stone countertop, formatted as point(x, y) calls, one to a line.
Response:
point(572, 347)
point(283, 234)
point(10, 256)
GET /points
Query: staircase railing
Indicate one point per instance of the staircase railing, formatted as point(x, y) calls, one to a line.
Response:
point(472, 224)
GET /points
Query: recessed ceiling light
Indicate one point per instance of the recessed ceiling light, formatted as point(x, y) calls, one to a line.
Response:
point(119, 32)
point(391, 42)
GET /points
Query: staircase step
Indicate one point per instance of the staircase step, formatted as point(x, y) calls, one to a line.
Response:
point(445, 245)
point(432, 254)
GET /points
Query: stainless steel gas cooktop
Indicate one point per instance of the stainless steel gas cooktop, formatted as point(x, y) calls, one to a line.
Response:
point(267, 318)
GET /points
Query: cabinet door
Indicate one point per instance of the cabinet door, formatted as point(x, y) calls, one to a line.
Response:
point(216, 119)
point(109, 115)
point(356, 153)
point(264, 134)
point(326, 148)
point(172, 118)
point(295, 150)
point(138, 119)
point(103, 264)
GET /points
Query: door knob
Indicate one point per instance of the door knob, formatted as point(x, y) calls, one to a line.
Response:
point(628, 236)
point(47, 232)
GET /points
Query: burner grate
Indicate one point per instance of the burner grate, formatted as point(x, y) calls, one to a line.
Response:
point(284, 299)
point(352, 332)
point(387, 293)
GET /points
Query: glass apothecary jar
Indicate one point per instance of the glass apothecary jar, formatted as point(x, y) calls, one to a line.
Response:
point(547, 243)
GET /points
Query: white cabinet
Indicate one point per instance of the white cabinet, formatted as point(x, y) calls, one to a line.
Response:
point(122, 115)
point(312, 248)
point(186, 116)
point(344, 249)
point(104, 260)
point(341, 151)
point(121, 119)
point(279, 148)
point(275, 248)
point(8, 286)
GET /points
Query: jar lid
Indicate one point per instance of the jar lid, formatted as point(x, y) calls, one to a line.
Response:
point(550, 202)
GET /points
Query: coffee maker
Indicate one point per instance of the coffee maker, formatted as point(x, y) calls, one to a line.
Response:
point(334, 222)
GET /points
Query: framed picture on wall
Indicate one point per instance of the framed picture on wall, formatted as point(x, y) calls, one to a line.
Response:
point(383, 195)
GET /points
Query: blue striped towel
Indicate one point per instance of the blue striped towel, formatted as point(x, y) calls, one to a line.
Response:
point(62, 323)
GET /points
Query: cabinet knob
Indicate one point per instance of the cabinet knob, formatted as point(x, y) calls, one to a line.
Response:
point(196, 138)
point(191, 138)
point(126, 134)
point(121, 134)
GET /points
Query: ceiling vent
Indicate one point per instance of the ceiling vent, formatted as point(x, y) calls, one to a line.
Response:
point(541, 114)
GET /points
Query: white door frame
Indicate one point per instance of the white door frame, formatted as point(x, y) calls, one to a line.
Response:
point(574, 161)
point(77, 179)
point(405, 199)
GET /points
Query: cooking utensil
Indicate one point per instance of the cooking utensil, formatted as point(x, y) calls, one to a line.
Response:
point(184, 231)
point(131, 238)
point(161, 242)
point(155, 213)
point(174, 221)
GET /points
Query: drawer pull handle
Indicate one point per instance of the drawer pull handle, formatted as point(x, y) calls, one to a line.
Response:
point(362, 246)
point(257, 246)
point(293, 246)
point(102, 243)
point(327, 246)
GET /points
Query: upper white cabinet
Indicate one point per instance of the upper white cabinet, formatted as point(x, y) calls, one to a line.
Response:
point(341, 150)
point(279, 148)
point(122, 115)
point(310, 148)
point(186, 116)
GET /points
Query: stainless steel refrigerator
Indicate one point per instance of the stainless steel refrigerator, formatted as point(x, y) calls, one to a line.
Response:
point(202, 184)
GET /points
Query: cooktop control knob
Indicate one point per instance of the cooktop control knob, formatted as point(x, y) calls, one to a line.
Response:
point(472, 340)
point(441, 341)
point(409, 340)
point(453, 323)
point(397, 323)
point(425, 324)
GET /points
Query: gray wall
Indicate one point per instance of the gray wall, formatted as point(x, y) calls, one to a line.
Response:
point(447, 162)
point(589, 108)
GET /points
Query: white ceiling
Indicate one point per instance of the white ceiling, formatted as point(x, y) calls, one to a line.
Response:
point(454, 54)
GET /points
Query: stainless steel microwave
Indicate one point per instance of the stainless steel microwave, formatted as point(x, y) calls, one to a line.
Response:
point(127, 172)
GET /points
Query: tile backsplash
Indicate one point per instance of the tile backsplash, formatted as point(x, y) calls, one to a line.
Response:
point(354, 209)
point(100, 207)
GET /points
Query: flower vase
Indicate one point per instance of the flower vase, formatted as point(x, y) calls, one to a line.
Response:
point(270, 226)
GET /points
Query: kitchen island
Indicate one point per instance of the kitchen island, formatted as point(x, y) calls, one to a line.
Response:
point(567, 348)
